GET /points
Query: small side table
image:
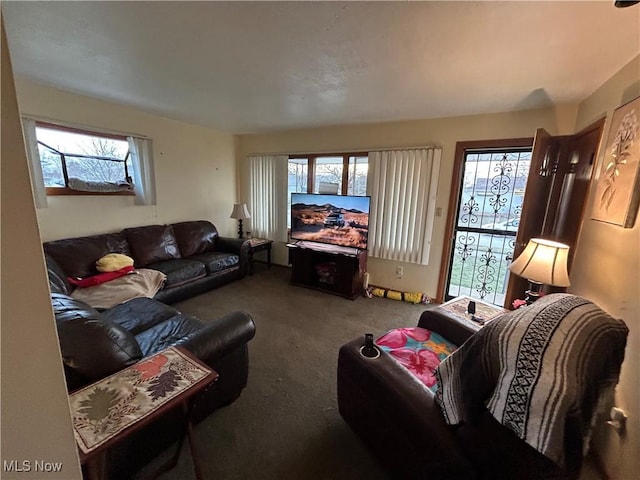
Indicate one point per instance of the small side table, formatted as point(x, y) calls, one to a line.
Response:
point(258, 245)
point(484, 311)
point(107, 411)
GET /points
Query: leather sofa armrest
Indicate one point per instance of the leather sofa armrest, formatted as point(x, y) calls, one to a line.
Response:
point(220, 336)
point(446, 324)
point(239, 246)
point(232, 245)
point(397, 416)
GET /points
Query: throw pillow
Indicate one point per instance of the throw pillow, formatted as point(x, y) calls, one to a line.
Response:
point(113, 261)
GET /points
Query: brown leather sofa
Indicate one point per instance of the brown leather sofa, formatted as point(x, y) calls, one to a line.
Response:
point(96, 344)
point(191, 254)
point(400, 421)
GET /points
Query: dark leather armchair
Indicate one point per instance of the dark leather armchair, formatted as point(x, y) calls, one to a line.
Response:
point(403, 423)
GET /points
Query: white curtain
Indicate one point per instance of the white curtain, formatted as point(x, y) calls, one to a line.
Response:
point(268, 196)
point(35, 167)
point(144, 179)
point(403, 186)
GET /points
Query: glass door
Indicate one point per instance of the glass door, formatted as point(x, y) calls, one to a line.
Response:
point(489, 206)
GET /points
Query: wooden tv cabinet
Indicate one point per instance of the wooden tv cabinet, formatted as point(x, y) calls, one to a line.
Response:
point(335, 270)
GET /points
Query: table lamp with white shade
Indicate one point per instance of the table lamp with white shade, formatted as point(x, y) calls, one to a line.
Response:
point(240, 212)
point(542, 262)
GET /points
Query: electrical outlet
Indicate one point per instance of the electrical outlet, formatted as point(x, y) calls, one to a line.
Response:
point(438, 211)
point(399, 271)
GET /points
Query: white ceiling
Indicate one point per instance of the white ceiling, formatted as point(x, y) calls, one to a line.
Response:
point(265, 66)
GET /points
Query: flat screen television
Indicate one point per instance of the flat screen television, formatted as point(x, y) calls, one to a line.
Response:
point(341, 220)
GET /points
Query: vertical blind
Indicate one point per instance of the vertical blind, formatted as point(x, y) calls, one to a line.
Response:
point(403, 186)
point(268, 196)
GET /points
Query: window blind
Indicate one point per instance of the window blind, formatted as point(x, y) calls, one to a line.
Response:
point(403, 186)
point(268, 196)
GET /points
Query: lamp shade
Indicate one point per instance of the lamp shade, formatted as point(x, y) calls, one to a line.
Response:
point(240, 211)
point(543, 261)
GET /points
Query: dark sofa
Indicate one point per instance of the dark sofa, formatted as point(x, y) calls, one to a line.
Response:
point(96, 344)
point(191, 254)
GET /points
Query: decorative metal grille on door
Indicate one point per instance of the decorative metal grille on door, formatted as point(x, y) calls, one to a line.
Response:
point(489, 208)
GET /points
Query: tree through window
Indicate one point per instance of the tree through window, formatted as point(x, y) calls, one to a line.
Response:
point(70, 157)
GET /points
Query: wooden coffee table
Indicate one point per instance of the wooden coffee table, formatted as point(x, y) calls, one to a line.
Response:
point(109, 410)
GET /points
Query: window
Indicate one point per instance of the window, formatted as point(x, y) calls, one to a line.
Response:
point(79, 160)
point(328, 173)
point(357, 178)
point(344, 173)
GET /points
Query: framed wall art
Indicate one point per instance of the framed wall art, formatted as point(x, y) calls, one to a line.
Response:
point(617, 193)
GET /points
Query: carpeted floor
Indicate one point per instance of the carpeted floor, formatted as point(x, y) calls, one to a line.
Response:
point(286, 424)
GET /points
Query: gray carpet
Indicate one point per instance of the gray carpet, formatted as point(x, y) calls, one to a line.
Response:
point(286, 423)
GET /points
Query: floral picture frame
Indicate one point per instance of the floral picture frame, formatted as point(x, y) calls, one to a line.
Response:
point(617, 194)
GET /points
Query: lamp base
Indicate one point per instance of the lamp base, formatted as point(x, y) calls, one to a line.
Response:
point(240, 232)
point(534, 292)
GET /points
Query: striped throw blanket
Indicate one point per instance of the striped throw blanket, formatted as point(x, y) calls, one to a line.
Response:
point(544, 371)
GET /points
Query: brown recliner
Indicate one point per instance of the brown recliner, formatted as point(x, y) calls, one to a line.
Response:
point(399, 419)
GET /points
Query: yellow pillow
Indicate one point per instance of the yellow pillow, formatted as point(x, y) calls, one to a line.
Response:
point(113, 261)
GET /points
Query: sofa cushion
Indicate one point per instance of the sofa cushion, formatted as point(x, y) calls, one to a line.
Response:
point(151, 244)
point(92, 345)
point(195, 237)
point(140, 314)
point(217, 261)
point(168, 333)
point(77, 256)
point(180, 271)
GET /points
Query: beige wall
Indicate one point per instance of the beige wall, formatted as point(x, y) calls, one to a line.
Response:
point(36, 424)
point(194, 167)
point(445, 132)
point(606, 270)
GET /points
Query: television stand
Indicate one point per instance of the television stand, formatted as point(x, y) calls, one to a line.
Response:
point(335, 270)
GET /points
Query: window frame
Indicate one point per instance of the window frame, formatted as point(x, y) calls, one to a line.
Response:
point(311, 167)
point(311, 173)
point(54, 191)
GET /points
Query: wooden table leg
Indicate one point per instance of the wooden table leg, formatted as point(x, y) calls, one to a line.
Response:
point(194, 452)
point(97, 467)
